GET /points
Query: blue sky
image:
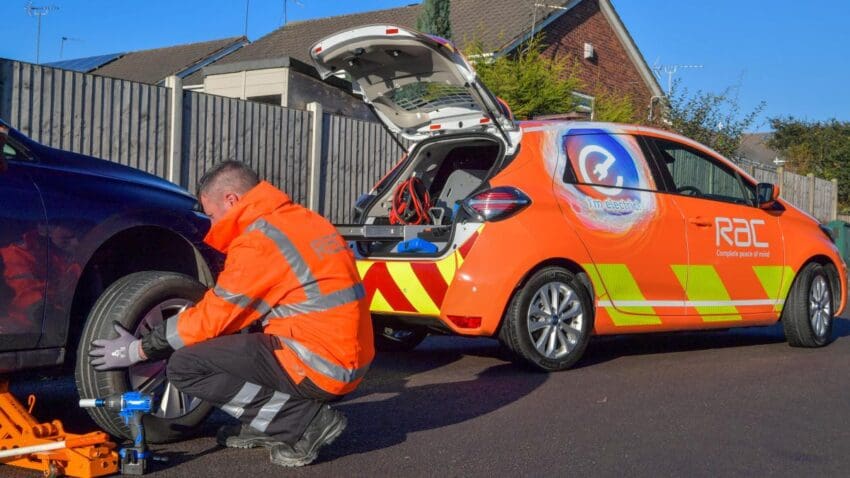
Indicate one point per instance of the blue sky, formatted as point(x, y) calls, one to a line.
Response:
point(793, 55)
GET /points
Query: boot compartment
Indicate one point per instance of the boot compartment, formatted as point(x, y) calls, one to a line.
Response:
point(451, 169)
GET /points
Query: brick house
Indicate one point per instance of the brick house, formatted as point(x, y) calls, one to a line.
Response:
point(277, 68)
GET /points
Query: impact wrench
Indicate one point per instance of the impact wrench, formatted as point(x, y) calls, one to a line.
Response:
point(131, 406)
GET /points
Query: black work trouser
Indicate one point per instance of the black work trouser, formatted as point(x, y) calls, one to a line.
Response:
point(240, 375)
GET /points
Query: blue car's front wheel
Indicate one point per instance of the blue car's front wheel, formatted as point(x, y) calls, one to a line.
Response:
point(139, 302)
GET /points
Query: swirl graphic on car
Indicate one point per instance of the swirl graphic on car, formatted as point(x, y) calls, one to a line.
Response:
point(611, 190)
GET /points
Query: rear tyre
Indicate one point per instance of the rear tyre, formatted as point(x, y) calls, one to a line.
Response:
point(808, 314)
point(549, 320)
point(397, 338)
point(139, 302)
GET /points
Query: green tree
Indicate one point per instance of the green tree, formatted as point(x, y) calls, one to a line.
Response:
point(531, 84)
point(435, 18)
point(713, 119)
point(614, 107)
point(818, 147)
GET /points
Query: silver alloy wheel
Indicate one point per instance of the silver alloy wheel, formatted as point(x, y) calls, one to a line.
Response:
point(555, 320)
point(820, 306)
point(149, 377)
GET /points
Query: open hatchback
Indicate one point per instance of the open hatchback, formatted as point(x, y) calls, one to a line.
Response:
point(587, 229)
point(425, 92)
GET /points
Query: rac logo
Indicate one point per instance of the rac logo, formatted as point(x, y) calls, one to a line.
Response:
point(738, 232)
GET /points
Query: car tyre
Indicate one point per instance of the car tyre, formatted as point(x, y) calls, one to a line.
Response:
point(138, 302)
point(398, 338)
point(808, 314)
point(549, 320)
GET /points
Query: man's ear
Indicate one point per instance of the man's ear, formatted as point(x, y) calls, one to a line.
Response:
point(231, 199)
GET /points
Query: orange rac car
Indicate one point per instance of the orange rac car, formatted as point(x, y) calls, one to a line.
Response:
point(545, 233)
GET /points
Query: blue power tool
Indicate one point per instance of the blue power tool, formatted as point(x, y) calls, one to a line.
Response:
point(131, 406)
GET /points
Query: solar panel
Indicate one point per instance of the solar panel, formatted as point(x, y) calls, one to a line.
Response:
point(87, 64)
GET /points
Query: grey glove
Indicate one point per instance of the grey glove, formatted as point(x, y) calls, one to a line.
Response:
point(115, 353)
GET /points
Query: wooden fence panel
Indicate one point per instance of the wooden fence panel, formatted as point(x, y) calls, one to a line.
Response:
point(272, 140)
point(796, 189)
point(764, 175)
point(355, 155)
point(117, 120)
point(823, 199)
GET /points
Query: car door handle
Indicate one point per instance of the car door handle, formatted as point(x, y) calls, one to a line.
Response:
point(700, 221)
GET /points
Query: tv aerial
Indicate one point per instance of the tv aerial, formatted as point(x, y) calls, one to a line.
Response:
point(38, 12)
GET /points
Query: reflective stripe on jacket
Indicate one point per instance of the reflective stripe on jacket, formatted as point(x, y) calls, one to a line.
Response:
point(287, 267)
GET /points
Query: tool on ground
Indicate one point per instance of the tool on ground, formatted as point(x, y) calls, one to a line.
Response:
point(46, 447)
point(131, 406)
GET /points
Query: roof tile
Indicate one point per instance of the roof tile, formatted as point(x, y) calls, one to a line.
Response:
point(151, 66)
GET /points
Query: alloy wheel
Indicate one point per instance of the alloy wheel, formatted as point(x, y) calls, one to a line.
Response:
point(820, 306)
point(555, 320)
point(149, 377)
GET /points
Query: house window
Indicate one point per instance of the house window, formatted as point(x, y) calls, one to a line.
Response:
point(585, 104)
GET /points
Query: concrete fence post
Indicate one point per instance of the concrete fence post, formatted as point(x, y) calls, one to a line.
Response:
point(811, 182)
point(834, 212)
point(174, 163)
point(315, 156)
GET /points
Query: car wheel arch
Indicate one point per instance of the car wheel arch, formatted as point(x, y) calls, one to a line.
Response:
point(161, 247)
point(831, 273)
point(562, 262)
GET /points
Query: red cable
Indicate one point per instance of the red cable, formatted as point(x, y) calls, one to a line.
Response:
point(410, 206)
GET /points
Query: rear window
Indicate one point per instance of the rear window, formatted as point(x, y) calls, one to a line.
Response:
point(426, 97)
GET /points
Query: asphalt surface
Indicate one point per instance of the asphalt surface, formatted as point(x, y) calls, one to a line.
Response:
point(734, 403)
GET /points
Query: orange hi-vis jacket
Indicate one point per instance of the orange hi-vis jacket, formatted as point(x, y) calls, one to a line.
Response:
point(287, 267)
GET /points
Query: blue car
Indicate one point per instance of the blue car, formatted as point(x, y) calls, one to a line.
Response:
point(84, 244)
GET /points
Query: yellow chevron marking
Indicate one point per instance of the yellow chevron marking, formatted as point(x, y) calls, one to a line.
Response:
point(702, 283)
point(363, 267)
point(403, 275)
point(619, 283)
point(379, 303)
point(447, 268)
point(776, 281)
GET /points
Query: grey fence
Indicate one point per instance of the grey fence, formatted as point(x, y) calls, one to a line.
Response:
point(273, 140)
point(322, 160)
point(356, 154)
point(120, 120)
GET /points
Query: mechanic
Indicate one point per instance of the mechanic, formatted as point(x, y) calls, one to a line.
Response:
point(288, 269)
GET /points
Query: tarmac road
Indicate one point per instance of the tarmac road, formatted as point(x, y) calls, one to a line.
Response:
point(734, 403)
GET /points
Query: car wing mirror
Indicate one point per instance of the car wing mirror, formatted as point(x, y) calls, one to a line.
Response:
point(767, 194)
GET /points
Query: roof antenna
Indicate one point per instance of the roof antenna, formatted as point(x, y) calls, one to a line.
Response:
point(62, 44)
point(38, 12)
point(247, 5)
point(671, 70)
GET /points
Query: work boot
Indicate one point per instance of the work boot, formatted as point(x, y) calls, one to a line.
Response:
point(243, 436)
point(327, 425)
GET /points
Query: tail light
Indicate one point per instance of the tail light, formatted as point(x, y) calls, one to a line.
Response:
point(464, 322)
point(497, 203)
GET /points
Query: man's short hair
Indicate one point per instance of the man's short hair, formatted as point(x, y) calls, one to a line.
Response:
point(236, 175)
